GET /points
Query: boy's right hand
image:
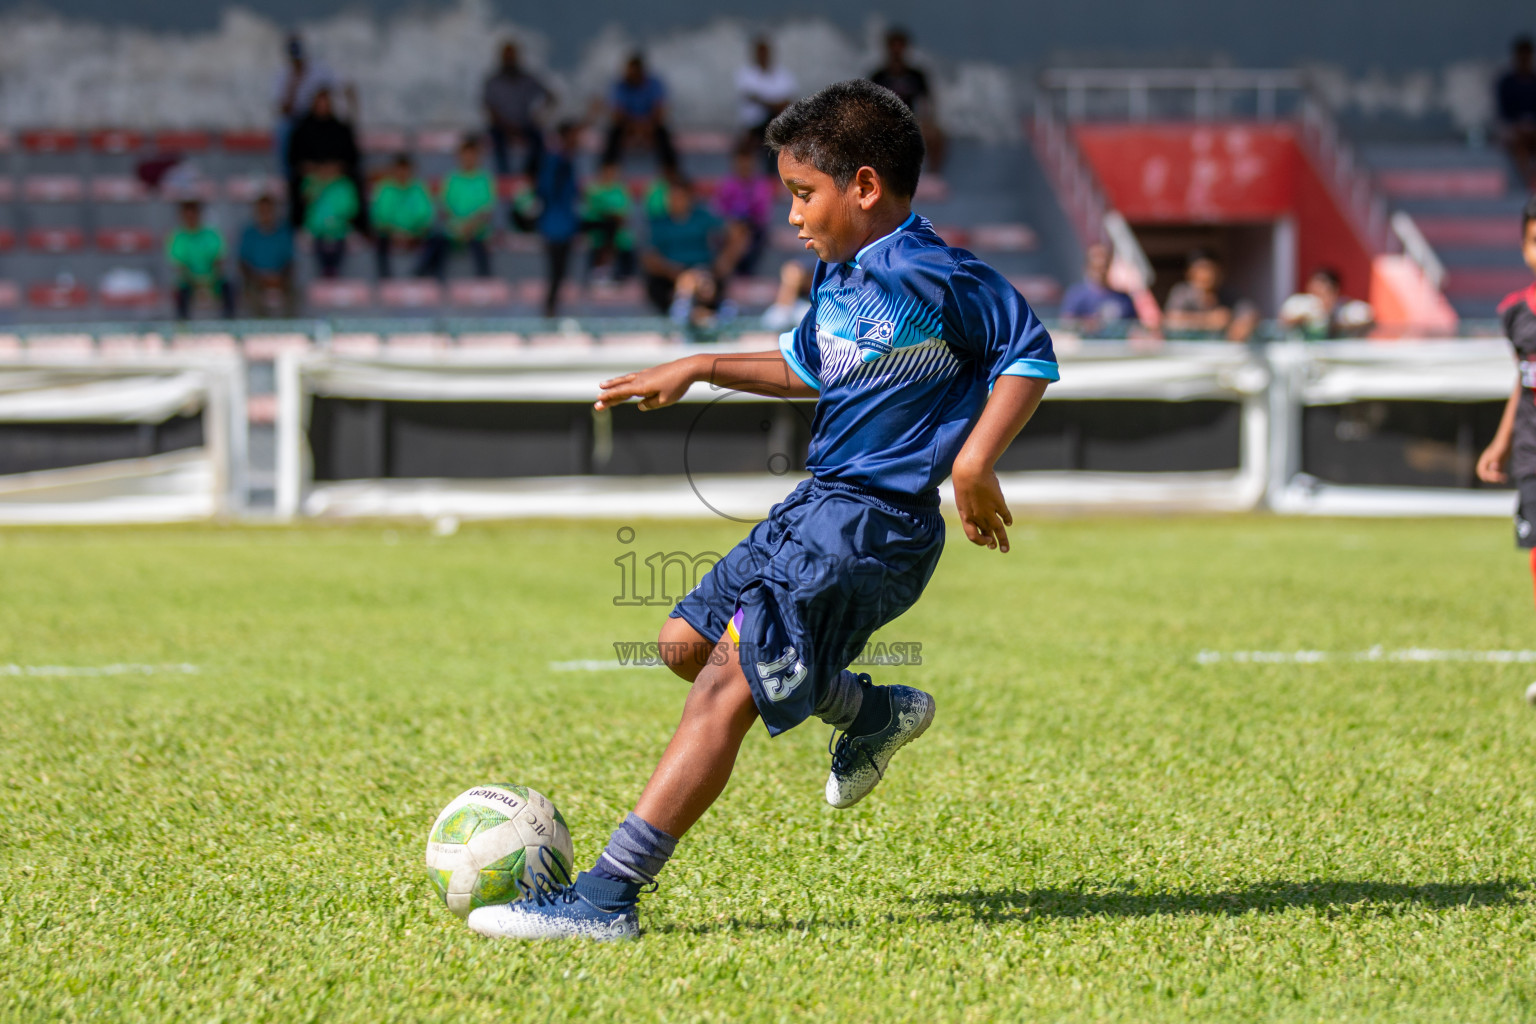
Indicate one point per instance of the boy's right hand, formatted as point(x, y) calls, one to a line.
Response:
point(656, 388)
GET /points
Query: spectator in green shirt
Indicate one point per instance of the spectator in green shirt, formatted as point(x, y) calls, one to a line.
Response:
point(403, 213)
point(605, 217)
point(331, 205)
point(196, 254)
point(469, 201)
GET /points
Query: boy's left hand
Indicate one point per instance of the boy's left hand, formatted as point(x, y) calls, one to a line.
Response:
point(983, 511)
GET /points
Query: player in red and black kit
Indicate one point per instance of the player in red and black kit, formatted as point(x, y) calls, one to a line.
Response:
point(1514, 447)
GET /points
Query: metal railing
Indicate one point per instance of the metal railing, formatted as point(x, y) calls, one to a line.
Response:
point(1145, 94)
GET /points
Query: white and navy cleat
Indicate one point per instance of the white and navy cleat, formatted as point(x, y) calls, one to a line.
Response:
point(859, 762)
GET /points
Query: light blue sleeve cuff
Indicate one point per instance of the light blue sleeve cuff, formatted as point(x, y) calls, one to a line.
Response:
point(1045, 369)
point(787, 347)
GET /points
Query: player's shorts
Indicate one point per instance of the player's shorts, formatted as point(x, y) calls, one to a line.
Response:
point(831, 564)
point(1525, 513)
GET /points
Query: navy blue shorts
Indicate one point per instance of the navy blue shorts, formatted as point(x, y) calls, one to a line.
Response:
point(831, 564)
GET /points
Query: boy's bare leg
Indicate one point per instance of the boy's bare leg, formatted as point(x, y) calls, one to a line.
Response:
point(684, 649)
point(697, 763)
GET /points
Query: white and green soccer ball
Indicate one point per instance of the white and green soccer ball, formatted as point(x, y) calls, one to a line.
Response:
point(497, 843)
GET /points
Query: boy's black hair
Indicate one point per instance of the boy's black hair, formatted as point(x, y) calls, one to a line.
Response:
point(402, 159)
point(471, 140)
point(849, 125)
point(1330, 275)
point(1526, 216)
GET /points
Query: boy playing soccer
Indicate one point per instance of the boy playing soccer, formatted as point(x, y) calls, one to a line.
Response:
point(924, 361)
point(1516, 435)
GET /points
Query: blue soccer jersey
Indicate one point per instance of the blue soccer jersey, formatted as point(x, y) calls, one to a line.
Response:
point(904, 342)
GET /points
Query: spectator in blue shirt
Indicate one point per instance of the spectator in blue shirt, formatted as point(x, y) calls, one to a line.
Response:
point(266, 262)
point(1516, 96)
point(1091, 306)
point(638, 106)
point(558, 195)
point(686, 237)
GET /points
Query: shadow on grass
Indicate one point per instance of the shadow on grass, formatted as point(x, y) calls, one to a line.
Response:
point(1004, 906)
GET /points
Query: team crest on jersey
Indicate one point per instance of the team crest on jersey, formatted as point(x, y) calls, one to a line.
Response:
point(875, 334)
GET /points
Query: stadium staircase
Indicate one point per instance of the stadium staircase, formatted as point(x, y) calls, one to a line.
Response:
point(1466, 203)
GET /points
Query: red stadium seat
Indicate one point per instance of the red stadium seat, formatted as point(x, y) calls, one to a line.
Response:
point(931, 189)
point(1488, 283)
point(5, 141)
point(340, 293)
point(411, 293)
point(142, 298)
point(7, 239)
point(438, 140)
point(10, 295)
point(43, 140)
point(1444, 183)
point(125, 239)
point(1003, 237)
point(247, 188)
point(1471, 232)
point(384, 140)
point(956, 236)
point(183, 141)
point(204, 190)
point(7, 190)
point(118, 188)
point(714, 143)
point(509, 185)
point(115, 140)
point(1037, 289)
point(480, 293)
point(754, 291)
point(52, 188)
point(58, 295)
point(247, 141)
point(55, 239)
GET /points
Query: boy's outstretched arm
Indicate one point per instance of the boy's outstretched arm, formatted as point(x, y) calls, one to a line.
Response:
point(759, 373)
point(983, 512)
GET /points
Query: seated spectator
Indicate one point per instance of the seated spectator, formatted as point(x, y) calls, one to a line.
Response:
point(911, 85)
point(764, 91)
point(793, 300)
point(266, 262)
point(699, 304)
point(321, 137)
point(196, 254)
point(403, 213)
point(469, 201)
point(605, 210)
point(558, 220)
point(638, 108)
point(1091, 306)
point(512, 99)
point(744, 199)
point(686, 237)
point(655, 202)
point(1321, 311)
point(1197, 308)
point(330, 206)
point(1516, 95)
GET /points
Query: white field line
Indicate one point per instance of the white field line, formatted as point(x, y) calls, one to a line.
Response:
point(97, 670)
point(593, 665)
point(1378, 653)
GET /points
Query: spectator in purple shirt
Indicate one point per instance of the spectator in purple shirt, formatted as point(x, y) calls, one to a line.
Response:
point(744, 200)
point(638, 106)
point(1516, 96)
point(1091, 305)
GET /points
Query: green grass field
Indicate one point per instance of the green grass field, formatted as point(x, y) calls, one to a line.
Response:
point(1098, 826)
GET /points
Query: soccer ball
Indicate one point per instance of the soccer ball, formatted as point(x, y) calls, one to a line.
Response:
point(495, 843)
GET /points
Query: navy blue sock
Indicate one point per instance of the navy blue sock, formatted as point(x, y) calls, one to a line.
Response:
point(874, 711)
point(605, 893)
point(633, 858)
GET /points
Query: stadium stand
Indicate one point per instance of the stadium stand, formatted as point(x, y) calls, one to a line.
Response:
point(1467, 205)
